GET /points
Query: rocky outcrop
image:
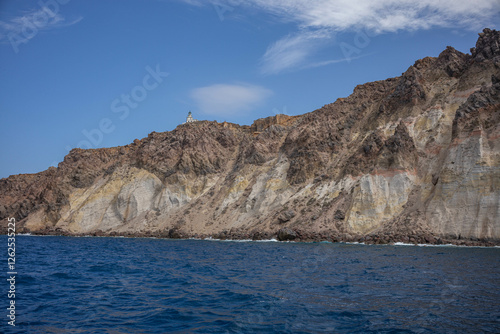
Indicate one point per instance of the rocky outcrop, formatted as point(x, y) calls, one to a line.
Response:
point(286, 234)
point(286, 216)
point(412, 159)
point(487, 46)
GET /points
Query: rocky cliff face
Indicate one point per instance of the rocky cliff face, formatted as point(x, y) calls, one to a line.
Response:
point(414, 158)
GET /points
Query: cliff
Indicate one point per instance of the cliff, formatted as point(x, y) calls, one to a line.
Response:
point(414, 158)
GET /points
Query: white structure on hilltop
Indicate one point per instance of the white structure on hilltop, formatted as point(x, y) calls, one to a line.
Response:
point(190, 119)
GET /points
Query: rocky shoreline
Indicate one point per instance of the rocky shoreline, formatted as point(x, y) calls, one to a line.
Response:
point(410, 159)
point(286, 234)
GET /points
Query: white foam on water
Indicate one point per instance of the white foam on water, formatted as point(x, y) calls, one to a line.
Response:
point(267, 240)
point(236, 240)
point(232, 240)
point(443, 245)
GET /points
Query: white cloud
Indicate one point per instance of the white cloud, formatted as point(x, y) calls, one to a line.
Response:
point(225, 100)
point(21, 29)
point(318, 21)
point(377, 15)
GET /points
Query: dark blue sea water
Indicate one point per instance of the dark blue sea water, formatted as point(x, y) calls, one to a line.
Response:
point(118, 285)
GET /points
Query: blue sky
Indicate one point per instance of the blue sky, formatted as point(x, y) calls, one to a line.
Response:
point(102, 73)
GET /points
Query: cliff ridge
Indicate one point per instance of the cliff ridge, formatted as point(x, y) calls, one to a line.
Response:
point(412, 159)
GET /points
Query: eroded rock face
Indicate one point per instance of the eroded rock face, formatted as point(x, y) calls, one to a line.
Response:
point(286, 234)
point(487, 46)
point(414, 159)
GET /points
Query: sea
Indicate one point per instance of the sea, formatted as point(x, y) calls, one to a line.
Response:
point(147, 285)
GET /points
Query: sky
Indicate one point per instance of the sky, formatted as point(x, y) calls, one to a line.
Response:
point(93, 74)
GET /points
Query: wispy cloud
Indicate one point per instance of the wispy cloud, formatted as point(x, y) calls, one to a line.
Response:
point(334, 61)
point(319, 21)
point(225, 100)
point(292, 51)
point(377, 15)
point(22, 28)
